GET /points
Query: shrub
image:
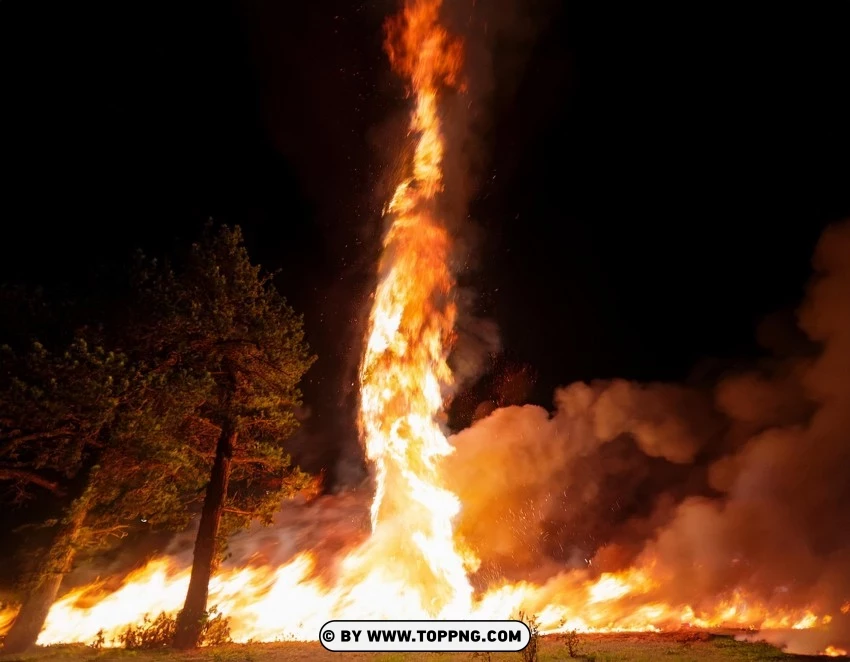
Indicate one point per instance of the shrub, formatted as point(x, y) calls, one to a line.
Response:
point(159, 632)
point(529, 653)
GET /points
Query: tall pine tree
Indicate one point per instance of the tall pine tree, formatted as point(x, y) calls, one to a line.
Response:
point(221, 320)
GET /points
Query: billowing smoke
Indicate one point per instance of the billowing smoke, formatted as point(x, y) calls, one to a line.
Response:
point(476, 345)
point(328, 526)
point(567, 482)
point(745, 485)
point(488, 27)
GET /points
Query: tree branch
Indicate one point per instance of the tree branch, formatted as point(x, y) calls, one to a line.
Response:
point(23, 476)
point(35, 436)
point(119, 531)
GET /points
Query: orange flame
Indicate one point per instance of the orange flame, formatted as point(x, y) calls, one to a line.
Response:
point(404, 366)
point(289, 602)
point(411, 566)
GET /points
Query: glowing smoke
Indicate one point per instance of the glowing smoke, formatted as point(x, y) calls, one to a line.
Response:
point(743, 486)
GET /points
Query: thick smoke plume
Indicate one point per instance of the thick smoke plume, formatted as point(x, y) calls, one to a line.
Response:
point(507, 27)
point(741, 486)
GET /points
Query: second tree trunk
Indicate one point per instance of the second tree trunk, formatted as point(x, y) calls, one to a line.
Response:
point(58, 562)
point(190, 621)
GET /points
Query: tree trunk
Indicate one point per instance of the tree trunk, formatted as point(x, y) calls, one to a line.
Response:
point(190, 621)
point(57, 563)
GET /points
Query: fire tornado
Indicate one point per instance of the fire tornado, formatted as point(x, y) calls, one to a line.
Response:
point(404, 366)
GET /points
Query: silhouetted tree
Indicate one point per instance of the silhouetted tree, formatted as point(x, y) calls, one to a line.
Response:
point(220, 318)
point(84, 421)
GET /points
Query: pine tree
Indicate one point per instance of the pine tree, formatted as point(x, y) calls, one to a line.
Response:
point(83, 423)
point(220, 320)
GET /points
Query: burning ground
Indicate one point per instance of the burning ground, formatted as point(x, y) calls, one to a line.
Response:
point(691, 646)
point(629, 507)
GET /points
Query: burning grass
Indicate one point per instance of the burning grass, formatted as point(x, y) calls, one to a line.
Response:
point(684, 646)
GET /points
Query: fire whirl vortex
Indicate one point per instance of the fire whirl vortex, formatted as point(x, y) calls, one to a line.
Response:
point(404, 366)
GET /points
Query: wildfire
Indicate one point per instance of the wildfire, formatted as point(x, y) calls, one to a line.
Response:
point(290, 602)
point(404, 366)
point(412, 566)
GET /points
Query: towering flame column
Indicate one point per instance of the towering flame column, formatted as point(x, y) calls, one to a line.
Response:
point(404, 365)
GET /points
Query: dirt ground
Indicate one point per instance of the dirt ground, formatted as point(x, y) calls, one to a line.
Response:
point(687, 646)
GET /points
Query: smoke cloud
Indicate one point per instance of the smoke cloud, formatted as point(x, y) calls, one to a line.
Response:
point(743, 485)
point(497, 37)
point(476, 345)
point(575, 474)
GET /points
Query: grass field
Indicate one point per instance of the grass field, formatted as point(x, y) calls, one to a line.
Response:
point(673, 647)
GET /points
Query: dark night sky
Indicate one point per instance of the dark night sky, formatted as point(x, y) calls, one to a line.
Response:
point(654, 185)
